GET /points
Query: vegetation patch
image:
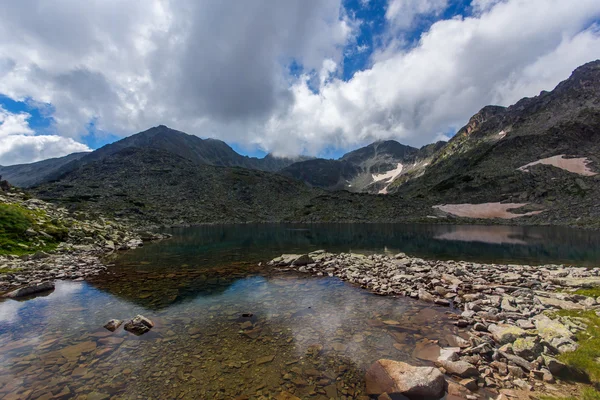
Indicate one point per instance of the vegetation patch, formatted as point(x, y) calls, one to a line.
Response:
point(586, 394)
point(21, 230)
point(586, 357)
point(589, 292)
point(9, 270)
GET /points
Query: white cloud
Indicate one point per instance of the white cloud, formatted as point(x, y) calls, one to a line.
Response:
point(516, 48)
point(14, 124)
point(220, 69)
point(402, 13)
point(18, 143)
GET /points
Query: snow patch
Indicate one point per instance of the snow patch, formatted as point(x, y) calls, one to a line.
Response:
point(485, 210)
point(575, 165)
point(387, 177)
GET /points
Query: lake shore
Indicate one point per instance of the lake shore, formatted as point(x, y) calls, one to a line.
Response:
point(521, 320)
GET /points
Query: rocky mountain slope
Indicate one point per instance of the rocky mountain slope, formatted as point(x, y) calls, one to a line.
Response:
point(368, 169)
point(200, 151)
point(27, 175)
point(160, 187)
point(536, 162)
point(487, 160)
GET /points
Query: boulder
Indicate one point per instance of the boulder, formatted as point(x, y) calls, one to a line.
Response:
point(138, 325)
point(528, 348)
point(113, 324)
point(504, 333)
point(555, 333)
point(398, 378)
point(31, 289)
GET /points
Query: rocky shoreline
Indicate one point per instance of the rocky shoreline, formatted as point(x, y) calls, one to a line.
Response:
point(512, 336)
point(78, 255)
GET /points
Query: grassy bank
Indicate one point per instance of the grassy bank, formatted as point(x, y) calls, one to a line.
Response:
point(24, 231)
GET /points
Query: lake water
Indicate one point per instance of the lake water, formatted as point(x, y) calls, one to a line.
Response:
point(229, 328)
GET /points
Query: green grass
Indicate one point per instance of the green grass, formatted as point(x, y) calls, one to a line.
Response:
point(14, 222)
point(586, 394)
point(9, 270)
point(585, 358)
point(589, 292)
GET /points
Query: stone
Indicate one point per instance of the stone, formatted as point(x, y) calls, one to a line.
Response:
point(113, 324)
point(554, 366)
point(426, 296)
point(264, 360)
point(525, 324)
point(398, 378)
point(426, 351)
point(555, 333)
point(459, 368)
point(504, 333)
point(31, 289)
point(558, 303)
point(138, 325)
point(470, 384)
point(73, 352)
point(286, 396)
point(449, 354)
point(528, 347)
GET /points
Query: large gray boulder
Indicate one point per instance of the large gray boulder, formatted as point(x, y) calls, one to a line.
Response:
point(398, 378)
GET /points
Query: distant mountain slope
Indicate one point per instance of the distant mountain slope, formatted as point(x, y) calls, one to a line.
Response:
point(159, 187)
point(483, 161)
point(193, 148)
point(26, 175)
point(368, 169)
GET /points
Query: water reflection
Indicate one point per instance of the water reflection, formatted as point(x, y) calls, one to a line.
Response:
point(223, 244)
point(310, 336)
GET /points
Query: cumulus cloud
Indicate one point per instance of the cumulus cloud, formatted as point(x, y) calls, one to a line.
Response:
point(402, 13)
point(516, 48)
point(221, 69)
point(18, 143)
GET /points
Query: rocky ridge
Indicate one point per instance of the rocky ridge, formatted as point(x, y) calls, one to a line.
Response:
point(83, 243)
point(507, 311)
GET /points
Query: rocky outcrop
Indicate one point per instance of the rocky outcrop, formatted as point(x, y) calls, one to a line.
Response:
point(398, 378)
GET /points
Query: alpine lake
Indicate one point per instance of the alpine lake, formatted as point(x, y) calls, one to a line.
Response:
point(227, 326)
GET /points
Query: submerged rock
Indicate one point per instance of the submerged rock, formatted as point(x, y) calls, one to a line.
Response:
point(138, 325)
point(398, 378)
point(31, 289)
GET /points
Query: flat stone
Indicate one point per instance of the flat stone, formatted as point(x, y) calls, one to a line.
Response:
point(264, 360)
point(74, 351)
point(459, 368)
point(426, 351)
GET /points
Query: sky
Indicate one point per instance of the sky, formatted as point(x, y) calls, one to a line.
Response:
point(313, 77)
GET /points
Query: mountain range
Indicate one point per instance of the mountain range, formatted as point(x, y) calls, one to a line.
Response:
point(540, 156)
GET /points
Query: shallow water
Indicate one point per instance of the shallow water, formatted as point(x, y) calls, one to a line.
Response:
point(258, 337)
point(228, 328)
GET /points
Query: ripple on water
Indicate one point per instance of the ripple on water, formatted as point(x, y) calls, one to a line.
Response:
point(256, 336)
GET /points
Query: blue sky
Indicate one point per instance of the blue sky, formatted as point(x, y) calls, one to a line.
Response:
point(288, 77)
